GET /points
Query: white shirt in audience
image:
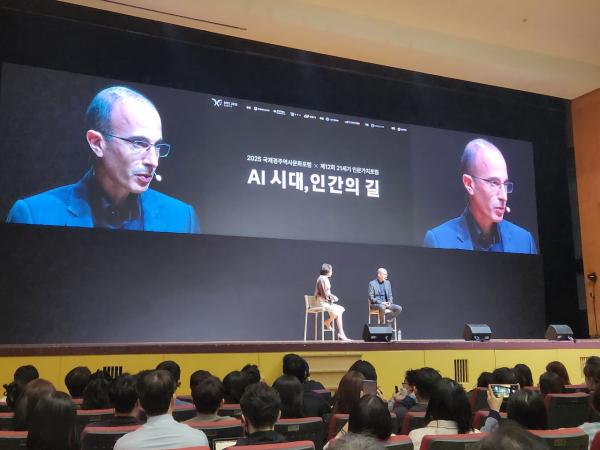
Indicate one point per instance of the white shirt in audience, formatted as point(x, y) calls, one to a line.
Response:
point(161, 432)
point(434, 427)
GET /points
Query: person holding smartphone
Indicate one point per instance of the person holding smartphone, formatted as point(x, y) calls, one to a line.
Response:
point(524, 407)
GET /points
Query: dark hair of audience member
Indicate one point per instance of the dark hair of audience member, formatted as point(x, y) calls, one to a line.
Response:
point(34, 391)
point(596, 400)
point(155, 390)
point(95, 394)
point(551, 383)
point(425, 382)
point(76, 380)
point(353, 441)
point(173, 368)
point(54, 424)
point(504, 375)
point(591, 371)
point(527, 408)
point(291, 394)
point(449, 402)
point(251, 373)
point(235, 383)
point(511, 436)
point(25, 374)
point(13, 391)
point(348, 392)
point(484, 379)
point(208, 395)
point(366, 368)
point(559, 369)
point(370, 415)
point(260, 405)
point(123, 394)
point(524, 376)
point(198, 377)
point(296, 366)
point(410, 377)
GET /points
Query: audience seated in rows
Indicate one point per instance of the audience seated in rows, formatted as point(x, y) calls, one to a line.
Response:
point(559, 369)
point(34, 391)
point(551, 383)
point(260, 410)
point(76, 381)
point(208, 397)
point(313, 405)
point(424, 380)
point(448, 412)
point(124, 399)
point(156, 391)
point(511, 436)
point(524, 407)
point(53, 424)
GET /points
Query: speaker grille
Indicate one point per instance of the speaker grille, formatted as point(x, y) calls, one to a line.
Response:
point(113, 371)
point(461, 370)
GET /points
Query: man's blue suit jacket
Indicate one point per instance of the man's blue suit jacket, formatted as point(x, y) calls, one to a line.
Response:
point(69, 206)
point(455, 234)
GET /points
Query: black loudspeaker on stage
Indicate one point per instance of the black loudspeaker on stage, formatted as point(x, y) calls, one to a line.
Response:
point(477, 332)
point(559, 332)
point(377, 333)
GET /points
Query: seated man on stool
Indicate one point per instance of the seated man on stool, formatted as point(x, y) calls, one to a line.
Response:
point(381, 298)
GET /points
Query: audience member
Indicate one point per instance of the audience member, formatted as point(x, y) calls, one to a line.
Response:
point(252, 373)
point(559, 369)
point(123, 397)
point(523, 373)
point(198, 377)
point(370, 415)
point(297, 366)
point(173, 368)
point(524, 407)
point(260, 410)
point(406, 398)
point(34, 391)
point(25, 374)
point(592, 427)
point(235, 383)
point(156, 390)
point(53, 424)
point(22, 376)
point(511, 436)
point(504, 375)
point(366, 368)
point(484, 379)
point(356, 442)
point(348, 392)
point(76, 381)
point(291, 395)
point(551, 383)
point(424, 381)
point(208, 397)
point(13, 392)
point(591, 372)
point(448, 412)
point(95, 394)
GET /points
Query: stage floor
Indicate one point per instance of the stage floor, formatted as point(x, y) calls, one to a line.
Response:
point(287, 346)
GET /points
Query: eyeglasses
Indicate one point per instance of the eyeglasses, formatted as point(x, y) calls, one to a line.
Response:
point(139, 146)
point(497, 185)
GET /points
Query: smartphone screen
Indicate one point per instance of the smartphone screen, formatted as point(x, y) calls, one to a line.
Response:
point(504, 390)
point(369, 387)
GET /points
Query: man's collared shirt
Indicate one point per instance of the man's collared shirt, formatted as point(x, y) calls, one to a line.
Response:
point(127, 216)
point(481, 241)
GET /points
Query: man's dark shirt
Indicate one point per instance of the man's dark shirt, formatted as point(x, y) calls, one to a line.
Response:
point(127, 216)
point(315, 406)
point(117, 421)
point(482, 242)
point(261, 437)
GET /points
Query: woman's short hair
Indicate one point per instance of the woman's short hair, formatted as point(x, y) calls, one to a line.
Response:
point(370, 415)
point(54, 424)
point(527, 408)
point(449, 402)
point(325, 269)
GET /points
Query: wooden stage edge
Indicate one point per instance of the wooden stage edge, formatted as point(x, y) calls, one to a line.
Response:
point(285, 346)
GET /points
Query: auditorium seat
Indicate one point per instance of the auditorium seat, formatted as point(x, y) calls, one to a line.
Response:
point(478, 399)
point(185, 398)
point(572, 388)
point(220, 429)
point(480, 416)
point(595, 442)
point(230, 409)
point(6, 420)
point(12, 440)
point(336, 423)
point(4, 407)
point(564, 439)
point(398, 443)
point(103, 438)
point(535, 389)
point(303, 429)
point(298, 445)
point(87, 416)
point(567, 410)
point(450, 441)
point(184, 412)
point(411, 421)
point(325, 394)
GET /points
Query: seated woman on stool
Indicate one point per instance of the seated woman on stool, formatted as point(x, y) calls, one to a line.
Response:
point(328, 300)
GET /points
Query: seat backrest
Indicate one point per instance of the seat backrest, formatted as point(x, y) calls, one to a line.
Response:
point(219, 429)
point(450, 441)
point(230, 409)
point(336, 423)
point(6, 420)
point(564, 439)
point(185, 398)
point(103, 438)
point(480, 416)
point(310, 301)
point(184, 412)
point(4, 407)
point(478, 399)
point(572, 388)
point(298, 445)
point(303, 429)
point(325, 394)
point(567, 410)
point(13, 440)
point(412, 420)
point(86, 416)
point(595, 442)
point(398, 442)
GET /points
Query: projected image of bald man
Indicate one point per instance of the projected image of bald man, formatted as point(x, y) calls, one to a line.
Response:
point(482, 226)
point(124, 135)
